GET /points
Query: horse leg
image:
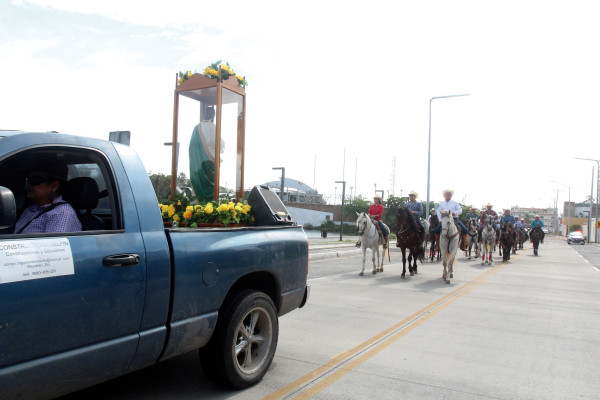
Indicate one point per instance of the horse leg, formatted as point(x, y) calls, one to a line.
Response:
point(403, 263)
point(364, 257)
point(373, 251)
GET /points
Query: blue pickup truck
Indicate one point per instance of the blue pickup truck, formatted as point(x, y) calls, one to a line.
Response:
point(124, 293)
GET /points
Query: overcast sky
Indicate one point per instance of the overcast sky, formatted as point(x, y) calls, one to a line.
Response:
point(329, 80)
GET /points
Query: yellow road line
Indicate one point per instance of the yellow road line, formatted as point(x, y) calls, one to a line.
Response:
point(344, 362)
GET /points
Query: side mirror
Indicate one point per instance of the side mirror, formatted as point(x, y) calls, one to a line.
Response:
point(8, 208)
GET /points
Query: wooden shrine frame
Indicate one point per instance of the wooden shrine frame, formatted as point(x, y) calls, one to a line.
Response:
point(190, 88)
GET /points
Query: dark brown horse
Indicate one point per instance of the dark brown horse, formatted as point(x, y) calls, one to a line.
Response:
point(506, 240)
point(434, 251)
point(409, 237)
point(536, 236)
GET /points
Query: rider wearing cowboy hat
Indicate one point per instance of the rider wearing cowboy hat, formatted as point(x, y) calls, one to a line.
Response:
point(376, 212)
point(455, 209)
point(509, 219)
point(537, 223)
point(484, 215)
point(416, 208)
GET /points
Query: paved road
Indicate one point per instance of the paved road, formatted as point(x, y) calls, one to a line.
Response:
point(528, 329)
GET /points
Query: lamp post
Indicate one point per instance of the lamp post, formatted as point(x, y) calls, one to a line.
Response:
point(282, 181)
point(429, 146)
point(569, 214)
point(597, 190)
point(342, 217)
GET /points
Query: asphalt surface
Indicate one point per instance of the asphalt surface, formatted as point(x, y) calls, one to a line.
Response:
point(526, 329)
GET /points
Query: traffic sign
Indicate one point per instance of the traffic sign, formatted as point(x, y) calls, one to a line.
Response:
point(598, 224)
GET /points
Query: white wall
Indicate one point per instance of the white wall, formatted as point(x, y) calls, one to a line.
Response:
point(303, 216)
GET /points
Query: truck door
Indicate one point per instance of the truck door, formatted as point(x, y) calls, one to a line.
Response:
point(71, 303)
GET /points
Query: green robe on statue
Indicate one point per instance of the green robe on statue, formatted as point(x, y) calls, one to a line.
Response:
point(202, 169)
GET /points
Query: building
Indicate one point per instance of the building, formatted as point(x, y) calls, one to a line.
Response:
point(295, 191)
point(547, 215)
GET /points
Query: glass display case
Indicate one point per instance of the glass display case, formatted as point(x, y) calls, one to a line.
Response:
point(216, 145)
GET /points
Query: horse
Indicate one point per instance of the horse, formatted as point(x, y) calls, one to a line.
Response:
point(426, 235)
point(488, 238)
point(506, 240)
point(434, 249)
point(536, 236)
point(369, 239)
point(448, 244)
point(523, 237)
point(472, 238)
point(409, 237)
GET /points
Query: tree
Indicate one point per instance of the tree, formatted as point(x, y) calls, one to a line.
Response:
point(355, 205)
point(161, 184)
point(391, 205)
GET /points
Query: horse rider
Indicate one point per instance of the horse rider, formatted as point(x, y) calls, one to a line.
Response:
point(376, 212)
point(416, 209)
point(455, 210)
point(473, 214)
point(484, 215)
point(433, 219)
point(507, 218)
point(538, 223)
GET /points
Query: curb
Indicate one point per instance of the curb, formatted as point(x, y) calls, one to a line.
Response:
point(332, 254)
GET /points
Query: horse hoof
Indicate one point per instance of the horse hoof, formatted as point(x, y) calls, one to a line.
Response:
point(446, 281)
point(374, 272)
point(402, 276)
point(451, 276)
point(361, 274)
point(412, 274)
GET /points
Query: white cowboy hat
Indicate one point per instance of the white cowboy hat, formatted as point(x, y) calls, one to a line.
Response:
point(413, 193)
point(489, 205)
point(448, 191)
point(537, 216)
point(377, 196)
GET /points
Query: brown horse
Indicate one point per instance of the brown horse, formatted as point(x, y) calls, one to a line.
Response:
point(434, 249)
point(506, 240)
point(409, 237)
point(536, 236)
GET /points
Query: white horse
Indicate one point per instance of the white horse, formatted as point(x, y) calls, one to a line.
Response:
point(472, 238)
point(426, 236)
point(488, 239)
point(369, 239)
point(448, 244)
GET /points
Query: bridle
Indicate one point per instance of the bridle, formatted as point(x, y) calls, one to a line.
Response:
point(365, 221)
point(446, 229)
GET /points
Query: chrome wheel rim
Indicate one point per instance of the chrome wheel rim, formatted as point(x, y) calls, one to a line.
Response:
point(253, 341)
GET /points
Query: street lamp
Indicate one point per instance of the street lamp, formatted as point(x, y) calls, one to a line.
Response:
point(597, 190)
point(282, 180)
point(429, 146)
point(569, 214)
point(342, 217)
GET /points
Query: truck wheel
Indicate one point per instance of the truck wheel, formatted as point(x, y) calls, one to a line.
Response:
point(244, 342)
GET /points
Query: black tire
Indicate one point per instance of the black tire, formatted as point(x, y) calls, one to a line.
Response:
point(249, 322)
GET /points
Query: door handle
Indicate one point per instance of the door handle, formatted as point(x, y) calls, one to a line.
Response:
point(121, 260)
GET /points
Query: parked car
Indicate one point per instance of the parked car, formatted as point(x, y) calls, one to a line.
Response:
point(576, 237)
point(545, 230)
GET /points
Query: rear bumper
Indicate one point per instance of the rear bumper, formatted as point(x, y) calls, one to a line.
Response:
point(294, 299)
point(306, 294)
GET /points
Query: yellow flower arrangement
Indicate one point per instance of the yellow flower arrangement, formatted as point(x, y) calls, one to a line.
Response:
point(183, 76)
point(212, 212)
point(212, 71)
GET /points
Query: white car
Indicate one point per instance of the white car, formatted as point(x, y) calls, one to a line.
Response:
point(576, 237)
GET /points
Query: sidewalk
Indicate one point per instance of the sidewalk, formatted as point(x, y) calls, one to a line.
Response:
point(331, 247)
